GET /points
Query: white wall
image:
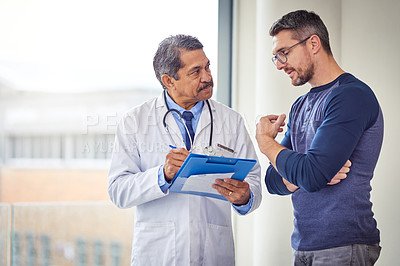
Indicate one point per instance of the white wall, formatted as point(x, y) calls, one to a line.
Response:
point(365, 43)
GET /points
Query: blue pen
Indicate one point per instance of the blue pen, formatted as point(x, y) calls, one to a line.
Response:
point(172, 147)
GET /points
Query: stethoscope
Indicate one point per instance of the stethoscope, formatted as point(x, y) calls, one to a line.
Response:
point(209, 150)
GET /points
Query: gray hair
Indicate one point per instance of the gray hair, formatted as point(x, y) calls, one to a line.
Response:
point(303, 24)
point(167, 58)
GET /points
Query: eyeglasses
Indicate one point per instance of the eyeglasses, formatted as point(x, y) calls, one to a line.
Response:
point(281, 55)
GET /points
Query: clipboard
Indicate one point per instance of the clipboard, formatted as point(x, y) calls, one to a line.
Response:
point(199, 164)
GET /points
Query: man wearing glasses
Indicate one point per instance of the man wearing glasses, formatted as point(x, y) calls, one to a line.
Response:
point(338, 120)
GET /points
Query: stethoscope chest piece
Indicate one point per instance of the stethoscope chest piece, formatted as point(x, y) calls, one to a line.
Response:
point(209, 150)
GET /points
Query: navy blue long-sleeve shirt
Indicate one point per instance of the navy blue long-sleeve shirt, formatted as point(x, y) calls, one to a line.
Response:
point(332, 123)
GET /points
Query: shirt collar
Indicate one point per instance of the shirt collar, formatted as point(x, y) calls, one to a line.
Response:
point(196, 110)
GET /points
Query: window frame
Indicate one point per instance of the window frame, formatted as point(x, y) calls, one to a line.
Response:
point(225, 30)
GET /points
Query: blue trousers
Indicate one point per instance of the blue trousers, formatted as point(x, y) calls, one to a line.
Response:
point(352, 255)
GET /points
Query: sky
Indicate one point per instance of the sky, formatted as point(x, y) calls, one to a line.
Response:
point(87, 45)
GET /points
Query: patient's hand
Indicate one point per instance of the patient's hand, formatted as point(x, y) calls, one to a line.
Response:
point(342, 174)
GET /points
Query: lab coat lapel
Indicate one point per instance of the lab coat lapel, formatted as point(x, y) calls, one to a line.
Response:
point(204, 125)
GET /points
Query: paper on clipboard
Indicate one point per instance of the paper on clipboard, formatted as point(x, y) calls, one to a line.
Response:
point(202, 183)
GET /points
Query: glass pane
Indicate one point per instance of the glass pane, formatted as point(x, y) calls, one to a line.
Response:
point(65, 82)
point(69, 69)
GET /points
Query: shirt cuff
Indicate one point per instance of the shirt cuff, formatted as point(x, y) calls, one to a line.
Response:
point(274, 182)
point(243, 209)
point(164, 185)
point(281, 160)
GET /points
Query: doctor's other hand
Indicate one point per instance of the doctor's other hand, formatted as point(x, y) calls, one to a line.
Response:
point(342, 174)
point(173, 162)
point(236, 191)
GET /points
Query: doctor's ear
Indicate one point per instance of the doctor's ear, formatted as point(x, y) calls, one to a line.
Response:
point(168, 81)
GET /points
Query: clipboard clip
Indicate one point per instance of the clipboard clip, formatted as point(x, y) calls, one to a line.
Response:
point(221, 161)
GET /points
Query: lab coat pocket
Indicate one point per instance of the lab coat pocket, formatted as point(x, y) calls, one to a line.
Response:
point(219, 248)
point(153, 244)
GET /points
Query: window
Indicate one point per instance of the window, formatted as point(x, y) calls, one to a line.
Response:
point(68, 71)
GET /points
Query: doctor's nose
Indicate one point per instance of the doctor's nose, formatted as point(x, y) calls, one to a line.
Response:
point(206, 76)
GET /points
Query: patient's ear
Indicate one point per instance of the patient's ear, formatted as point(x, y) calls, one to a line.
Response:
point(315, 43)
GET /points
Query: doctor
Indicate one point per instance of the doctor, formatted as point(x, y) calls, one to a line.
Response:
point(151, 144)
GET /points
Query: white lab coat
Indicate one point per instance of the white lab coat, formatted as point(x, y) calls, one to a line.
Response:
point(174, 228)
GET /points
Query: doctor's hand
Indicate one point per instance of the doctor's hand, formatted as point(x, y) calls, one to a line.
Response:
point(237, 192)
point(173, 162)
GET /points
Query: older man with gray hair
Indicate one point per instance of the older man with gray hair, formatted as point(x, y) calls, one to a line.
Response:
point(176, 228)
